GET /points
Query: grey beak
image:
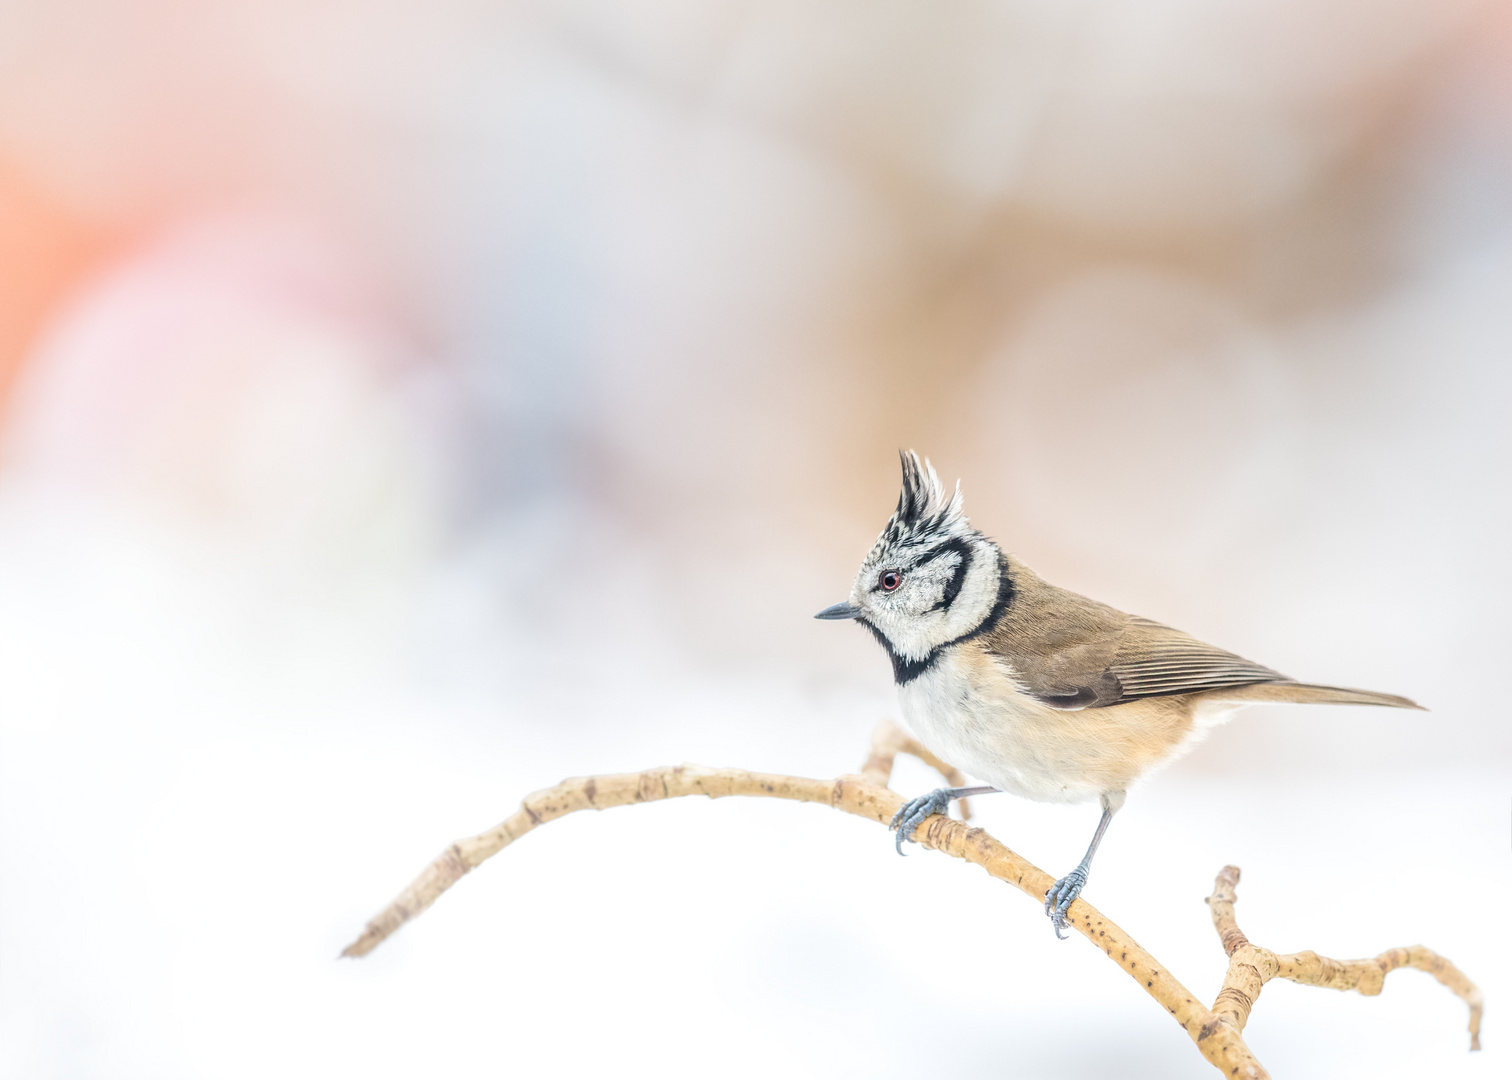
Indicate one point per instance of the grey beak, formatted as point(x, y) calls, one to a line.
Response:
point(843, 610)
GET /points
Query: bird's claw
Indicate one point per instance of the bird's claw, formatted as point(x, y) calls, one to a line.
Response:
point(913, 813)
point(1059, 898)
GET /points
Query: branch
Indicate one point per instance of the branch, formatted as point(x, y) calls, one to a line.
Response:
point(1251, 967)
point(1217, 1032)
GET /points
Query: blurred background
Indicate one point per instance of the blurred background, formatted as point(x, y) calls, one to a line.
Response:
point(408, 405)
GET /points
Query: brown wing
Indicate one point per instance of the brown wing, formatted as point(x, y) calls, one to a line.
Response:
point(1070, 652)
point(1154, 660)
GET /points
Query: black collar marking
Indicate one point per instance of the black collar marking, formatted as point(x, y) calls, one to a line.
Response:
point(906, 671)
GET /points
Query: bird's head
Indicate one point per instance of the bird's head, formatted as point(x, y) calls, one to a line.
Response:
point(930, 579)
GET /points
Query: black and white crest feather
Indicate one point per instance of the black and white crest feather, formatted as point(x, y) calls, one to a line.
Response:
point(925, 510)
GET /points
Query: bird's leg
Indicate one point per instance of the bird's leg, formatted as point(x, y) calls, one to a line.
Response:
point(1068, 888)
point(914, 811)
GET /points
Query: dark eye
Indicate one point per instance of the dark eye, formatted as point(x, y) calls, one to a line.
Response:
point(890, 580)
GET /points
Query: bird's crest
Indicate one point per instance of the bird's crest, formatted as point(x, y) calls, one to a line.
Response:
point(924, 507)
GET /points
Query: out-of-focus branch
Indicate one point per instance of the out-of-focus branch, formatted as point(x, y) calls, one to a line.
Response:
point(1217, 1032)
point(888, 741)
point(1251, 967)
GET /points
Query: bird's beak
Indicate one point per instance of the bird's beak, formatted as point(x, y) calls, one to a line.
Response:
point(843, 610)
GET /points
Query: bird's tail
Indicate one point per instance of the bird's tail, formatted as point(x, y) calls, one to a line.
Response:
point(1307, 694)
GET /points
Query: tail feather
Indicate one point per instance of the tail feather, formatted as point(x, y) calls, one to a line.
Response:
point(1308, 694)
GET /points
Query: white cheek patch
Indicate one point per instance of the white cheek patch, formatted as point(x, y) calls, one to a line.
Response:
point(924, 586)
point(913, 637)
point(979, 592)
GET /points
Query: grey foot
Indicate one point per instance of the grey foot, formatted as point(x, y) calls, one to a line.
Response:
point(1059, 898)
point(914, 811)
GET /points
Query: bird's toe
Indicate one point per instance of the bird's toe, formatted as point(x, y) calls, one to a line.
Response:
point(915, 812)
point(1060, 896)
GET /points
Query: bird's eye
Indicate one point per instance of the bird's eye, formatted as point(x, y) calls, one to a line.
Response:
point(890, 580)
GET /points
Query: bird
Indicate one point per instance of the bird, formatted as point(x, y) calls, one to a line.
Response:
point(1039, 691)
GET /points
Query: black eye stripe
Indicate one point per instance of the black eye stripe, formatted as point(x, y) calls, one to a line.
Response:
point(957, 574)
point(957, 545)
point(954, 545)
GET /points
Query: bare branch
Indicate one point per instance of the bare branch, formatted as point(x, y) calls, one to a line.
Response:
point(1217, 1032)
point(1251, 967)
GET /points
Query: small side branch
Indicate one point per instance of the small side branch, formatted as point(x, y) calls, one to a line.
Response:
point(1251, 967)
point(1217, 1032)
point(888, 741)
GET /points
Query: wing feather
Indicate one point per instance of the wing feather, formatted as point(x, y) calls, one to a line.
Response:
point(1152, 660)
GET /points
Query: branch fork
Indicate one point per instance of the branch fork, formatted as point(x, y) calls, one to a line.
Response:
point(1217, 1032)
